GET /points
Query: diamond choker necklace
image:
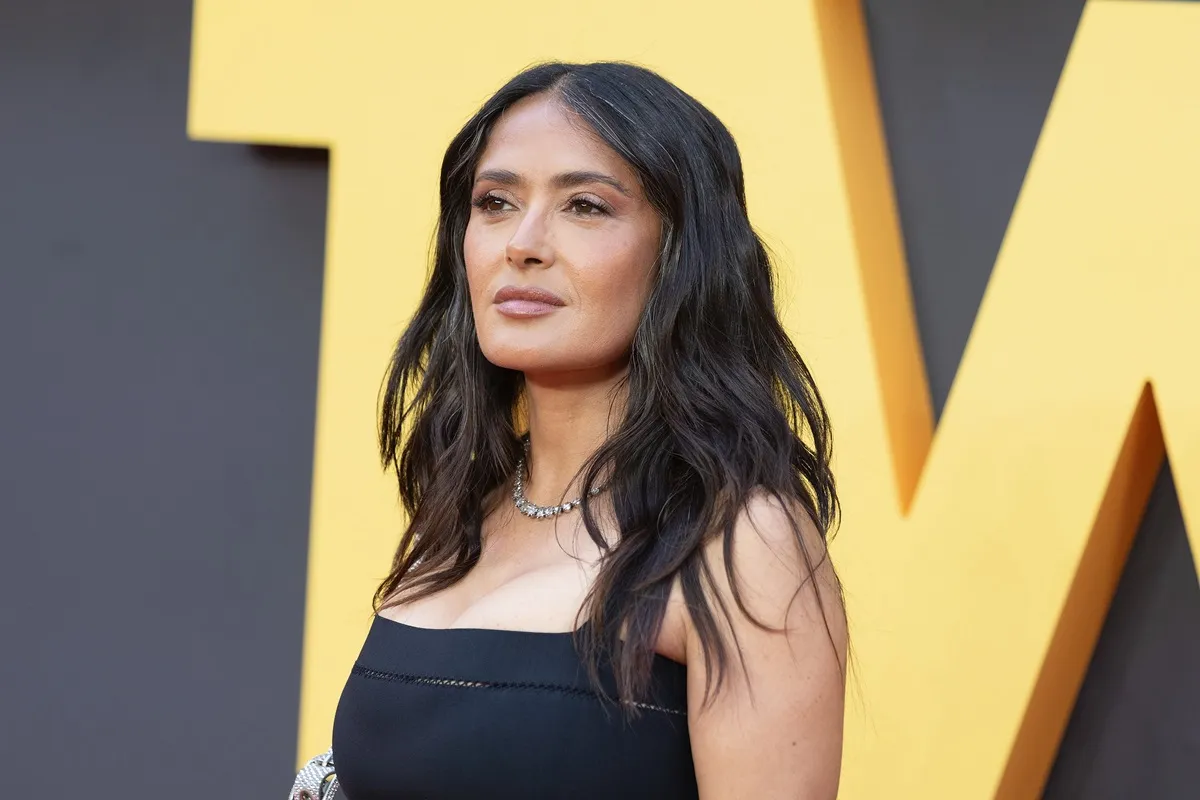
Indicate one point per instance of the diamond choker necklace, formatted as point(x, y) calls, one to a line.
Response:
point(533, 509)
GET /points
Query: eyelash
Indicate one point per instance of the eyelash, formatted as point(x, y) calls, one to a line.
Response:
point(482, 201)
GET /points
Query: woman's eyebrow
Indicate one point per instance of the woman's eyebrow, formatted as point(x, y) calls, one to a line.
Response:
point(563, 180)
point(504, 177)
point(567, 180)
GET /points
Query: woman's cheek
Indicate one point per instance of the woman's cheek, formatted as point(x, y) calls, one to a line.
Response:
point(614, 305)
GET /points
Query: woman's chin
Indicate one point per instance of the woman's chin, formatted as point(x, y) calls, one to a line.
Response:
point(521, 359)
point(546, 355)
point(541, 364)
point(523, 350)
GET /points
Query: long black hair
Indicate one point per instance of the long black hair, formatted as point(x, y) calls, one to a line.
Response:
point(720, 406)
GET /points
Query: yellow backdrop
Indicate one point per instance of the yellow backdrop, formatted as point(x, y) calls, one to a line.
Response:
point(979, 561)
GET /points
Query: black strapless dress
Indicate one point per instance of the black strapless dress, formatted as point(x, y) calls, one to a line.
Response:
point(469, 714)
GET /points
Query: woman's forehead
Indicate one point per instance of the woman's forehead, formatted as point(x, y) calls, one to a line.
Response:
point(539, 136)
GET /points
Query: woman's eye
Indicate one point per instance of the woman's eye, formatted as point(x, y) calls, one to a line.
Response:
point(587, 208)
point(491, 204)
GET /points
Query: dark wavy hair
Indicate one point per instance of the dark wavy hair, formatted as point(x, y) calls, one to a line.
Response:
point(720, 405)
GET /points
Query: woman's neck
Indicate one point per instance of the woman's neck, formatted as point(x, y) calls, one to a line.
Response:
point(568, 421)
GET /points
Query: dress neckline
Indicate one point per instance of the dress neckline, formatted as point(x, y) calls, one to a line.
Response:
point(505, 633)
point(458, 630)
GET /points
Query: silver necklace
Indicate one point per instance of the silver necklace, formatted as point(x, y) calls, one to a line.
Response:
point(533, 509)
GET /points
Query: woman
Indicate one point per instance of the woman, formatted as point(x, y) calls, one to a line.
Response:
point(614, 583)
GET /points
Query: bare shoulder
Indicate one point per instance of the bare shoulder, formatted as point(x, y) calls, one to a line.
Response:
point(784, 689)
point(780, 565)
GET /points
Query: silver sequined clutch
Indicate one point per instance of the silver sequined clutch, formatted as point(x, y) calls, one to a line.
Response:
point(317, 780)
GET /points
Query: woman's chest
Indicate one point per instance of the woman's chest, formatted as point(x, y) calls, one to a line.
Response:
point(535, 577)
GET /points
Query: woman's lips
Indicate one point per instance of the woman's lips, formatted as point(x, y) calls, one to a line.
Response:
point(525, 308)
point(526, 301)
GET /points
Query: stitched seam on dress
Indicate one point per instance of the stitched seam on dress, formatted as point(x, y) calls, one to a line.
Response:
point(426, 680)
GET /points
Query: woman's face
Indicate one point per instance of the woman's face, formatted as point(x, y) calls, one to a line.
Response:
point(559, 248)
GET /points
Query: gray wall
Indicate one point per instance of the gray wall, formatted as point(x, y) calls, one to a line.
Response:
point(159, 315)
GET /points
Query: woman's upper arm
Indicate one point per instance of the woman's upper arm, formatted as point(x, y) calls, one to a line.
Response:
point(774, 728)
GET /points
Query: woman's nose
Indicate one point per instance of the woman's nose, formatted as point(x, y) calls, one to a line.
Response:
point(530, 244)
